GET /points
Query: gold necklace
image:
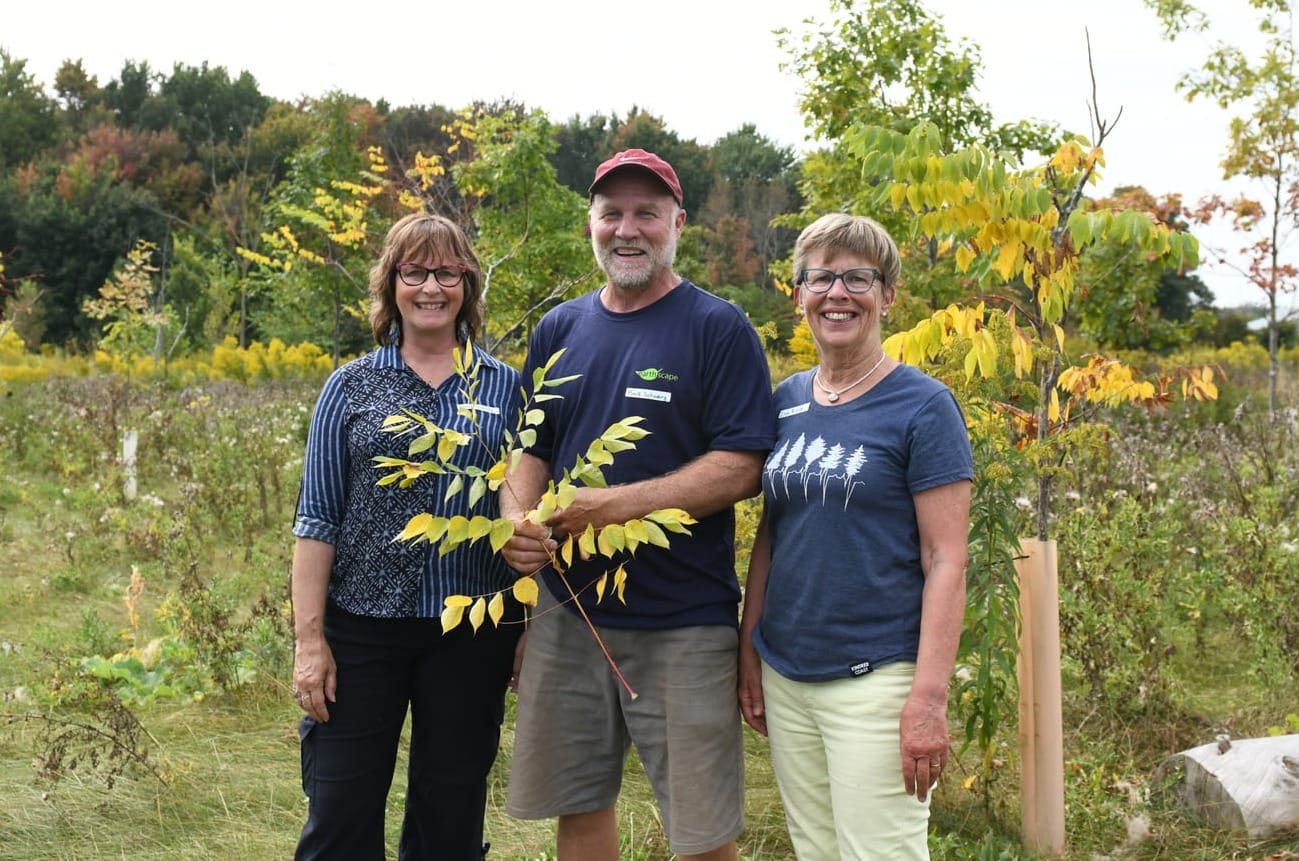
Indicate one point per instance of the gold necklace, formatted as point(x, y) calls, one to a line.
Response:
point(833, 396)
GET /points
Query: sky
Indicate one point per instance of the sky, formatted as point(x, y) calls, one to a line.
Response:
point(705, 67)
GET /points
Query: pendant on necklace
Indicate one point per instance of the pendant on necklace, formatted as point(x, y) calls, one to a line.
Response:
point(832, 397)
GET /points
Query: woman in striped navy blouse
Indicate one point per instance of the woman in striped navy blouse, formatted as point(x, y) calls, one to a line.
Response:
point(368, 643)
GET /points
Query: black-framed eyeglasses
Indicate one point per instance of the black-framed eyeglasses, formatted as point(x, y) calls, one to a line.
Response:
point(857, 280)
point(413, 274)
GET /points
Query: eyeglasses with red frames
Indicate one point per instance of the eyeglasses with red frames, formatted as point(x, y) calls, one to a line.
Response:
point(413, 274)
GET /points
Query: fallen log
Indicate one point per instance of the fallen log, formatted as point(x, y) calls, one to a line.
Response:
point(1247, 783)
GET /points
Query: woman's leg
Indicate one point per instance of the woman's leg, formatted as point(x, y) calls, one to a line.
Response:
point(348, 762)
point(457, 706)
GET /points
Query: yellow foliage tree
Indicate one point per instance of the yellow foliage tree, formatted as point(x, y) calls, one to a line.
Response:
point(1019, 234)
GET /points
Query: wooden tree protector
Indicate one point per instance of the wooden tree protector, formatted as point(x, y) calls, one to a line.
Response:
point(1249, 783)
point(1041, 733)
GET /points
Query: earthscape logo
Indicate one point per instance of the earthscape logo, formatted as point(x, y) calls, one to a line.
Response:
point(652, 374)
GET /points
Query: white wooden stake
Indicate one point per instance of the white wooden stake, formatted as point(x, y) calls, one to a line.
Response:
point(130, 440)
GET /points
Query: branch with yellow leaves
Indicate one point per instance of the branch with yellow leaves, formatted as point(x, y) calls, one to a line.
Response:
point(611, 541)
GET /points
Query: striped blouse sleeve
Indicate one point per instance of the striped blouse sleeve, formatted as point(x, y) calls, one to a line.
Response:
point(322, 499)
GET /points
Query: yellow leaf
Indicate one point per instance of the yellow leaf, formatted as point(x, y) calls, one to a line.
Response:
point(496, 608)
point(565, 495)
point(457, 529)
point(1053, 412)
point(655, 534)
point(451, 617)
point(985, 345)
point(611, 540)
point(415, 527)
point(599, 588)
point(964, 257)
point(587, 543)
point(620, 583)
point(525, 591)
point(453, 611)
point(477, 614)
point(436, 529)
point(502, 532)
point(672, 519)
point(1007, 260)
point(566, 551)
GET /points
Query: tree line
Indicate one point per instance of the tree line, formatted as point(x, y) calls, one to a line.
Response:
point(217, 180)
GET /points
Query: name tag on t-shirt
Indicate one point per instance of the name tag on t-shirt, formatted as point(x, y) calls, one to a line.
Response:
point(793, 411)
point(648, 394)
point(482, 408)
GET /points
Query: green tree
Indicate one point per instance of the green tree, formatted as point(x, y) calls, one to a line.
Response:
point(583, 144)
point(322, 233)
point(649, 132)
point(71, 224)
point(890, 63)
point(132, 97)
point(1130, 299)
point(234, 217)
point(528, 226)
point(80, 96)
point(1262, 88)
point(27, 119)
point(758, 181)
point(208, 108)
point(1019, 233)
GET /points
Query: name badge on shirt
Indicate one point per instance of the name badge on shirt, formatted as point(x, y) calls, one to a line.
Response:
point(648, 394)
point(793, 411)
point(482, 408)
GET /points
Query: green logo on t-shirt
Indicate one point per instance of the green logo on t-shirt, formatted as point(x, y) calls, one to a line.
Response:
point(651, 374)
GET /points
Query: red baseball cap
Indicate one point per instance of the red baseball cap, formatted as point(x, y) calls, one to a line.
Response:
point(642, 160)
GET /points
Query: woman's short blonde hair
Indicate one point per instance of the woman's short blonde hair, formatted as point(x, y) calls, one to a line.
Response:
point(855, 234)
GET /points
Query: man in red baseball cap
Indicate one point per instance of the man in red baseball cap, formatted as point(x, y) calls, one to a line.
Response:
point(639, 159)
point(647, 343)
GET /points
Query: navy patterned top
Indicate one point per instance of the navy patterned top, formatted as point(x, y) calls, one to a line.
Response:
point(341, 504)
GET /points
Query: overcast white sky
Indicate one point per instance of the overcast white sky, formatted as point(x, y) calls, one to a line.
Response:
point(705, 66)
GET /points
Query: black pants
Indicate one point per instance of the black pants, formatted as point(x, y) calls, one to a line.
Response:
point(454, 685)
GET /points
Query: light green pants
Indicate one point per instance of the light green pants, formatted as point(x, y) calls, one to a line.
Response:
point(835, 749)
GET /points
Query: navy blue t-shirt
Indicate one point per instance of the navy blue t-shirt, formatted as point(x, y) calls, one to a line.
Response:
point(844, 587)
point(692, 366)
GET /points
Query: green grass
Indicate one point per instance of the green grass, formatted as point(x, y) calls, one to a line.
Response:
point(69, 544)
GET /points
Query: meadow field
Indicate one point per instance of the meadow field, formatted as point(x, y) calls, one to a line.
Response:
point(145, 650)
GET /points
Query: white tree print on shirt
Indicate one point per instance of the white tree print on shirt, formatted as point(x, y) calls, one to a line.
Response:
point(811, 454)
point(815, 460)
point(795, 452)
point(855, 462)
point(831, 460)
